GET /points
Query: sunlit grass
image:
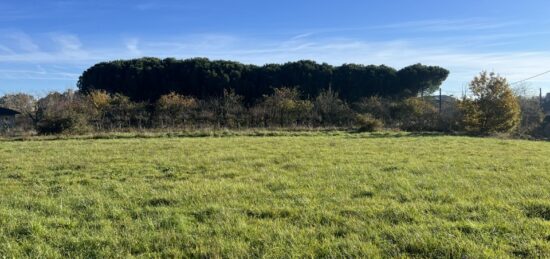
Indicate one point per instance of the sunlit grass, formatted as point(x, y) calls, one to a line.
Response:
point(324, 194)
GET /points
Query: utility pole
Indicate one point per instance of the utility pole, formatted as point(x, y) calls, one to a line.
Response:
point(540, 97)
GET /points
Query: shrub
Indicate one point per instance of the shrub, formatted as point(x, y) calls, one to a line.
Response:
point(493, 107)
point(285, 108)
point(329, 109)
point(531, 115)
point(545, 127)
point(230, 109)
point(415, 114)
point(376, 106)
point(56, 125)
point(175, 110)
point(368, 123)
point(62, 113)
point(449, 116)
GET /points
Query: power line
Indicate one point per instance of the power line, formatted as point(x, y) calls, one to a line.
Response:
point(535, 76)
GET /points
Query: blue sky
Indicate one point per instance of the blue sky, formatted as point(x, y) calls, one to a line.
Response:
point(45, 45)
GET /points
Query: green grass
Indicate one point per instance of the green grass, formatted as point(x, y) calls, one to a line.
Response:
point(307, 195)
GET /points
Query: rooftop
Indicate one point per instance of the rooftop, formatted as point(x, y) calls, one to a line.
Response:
point(8, 112)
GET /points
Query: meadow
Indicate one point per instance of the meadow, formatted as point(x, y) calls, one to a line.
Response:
point(332, 194)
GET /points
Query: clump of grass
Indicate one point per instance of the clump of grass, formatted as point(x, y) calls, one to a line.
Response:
point(538, 209)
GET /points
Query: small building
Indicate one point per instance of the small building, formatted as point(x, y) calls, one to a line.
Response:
point(7, 118)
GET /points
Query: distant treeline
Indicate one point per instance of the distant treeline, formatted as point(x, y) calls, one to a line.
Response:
point(147, 79)
point(493, 108)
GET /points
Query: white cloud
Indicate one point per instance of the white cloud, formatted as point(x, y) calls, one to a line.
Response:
point(67, 42)
point(6, 50)
point(132, 45)
point(23, 41)
point(472, 24)
point(463, 62)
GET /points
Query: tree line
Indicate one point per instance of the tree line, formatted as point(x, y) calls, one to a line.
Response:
point(99, 111)
point(147, 79)
point(493, 108)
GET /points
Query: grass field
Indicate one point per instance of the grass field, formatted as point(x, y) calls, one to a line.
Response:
point(312, 195)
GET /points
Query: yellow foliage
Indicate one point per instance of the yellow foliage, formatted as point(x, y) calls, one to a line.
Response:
point(493, 108)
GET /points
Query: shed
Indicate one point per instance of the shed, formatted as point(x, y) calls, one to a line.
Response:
point(7, 118)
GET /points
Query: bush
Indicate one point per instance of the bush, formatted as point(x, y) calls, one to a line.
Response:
point(449, 117)
point(415, 114)
point(62, 113)
point(55, 125)
point(367, 123)
point(70, 122)
point(330, 110)
point(545, 128)
point(284, 108)
point(376, 106)
point(531, 115)
point(493, 107)
point(174, 110)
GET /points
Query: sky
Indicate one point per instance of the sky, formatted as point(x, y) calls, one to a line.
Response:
point(46, 45)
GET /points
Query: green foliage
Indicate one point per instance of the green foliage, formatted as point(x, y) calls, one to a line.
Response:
point(147, 79)
point(285, 108)
point(62, 114)
point(493, 109)
point(377, 106)
point(288, 195)
point(531, 115)
point(368, 123)
point(545, 127)
point(415, 114)
point(175, 110)
point(231, 111)
point(58, 125)
point(330, 110)
point(421, 79)
point(546, 103)
point(288, 108)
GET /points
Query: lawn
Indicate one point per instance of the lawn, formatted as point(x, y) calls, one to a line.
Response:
point(300, 195)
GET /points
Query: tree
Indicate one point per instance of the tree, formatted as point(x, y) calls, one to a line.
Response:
point(376, 106)
point(231, 111)
point(147, 79)
point(415, 114)
point(420, 79)
point(285, 108)
point(175, 110)
point(546, 103)
point(331, 110)
point(531, 114)
point(23, 103)
point(62, 113)
point(493, 107)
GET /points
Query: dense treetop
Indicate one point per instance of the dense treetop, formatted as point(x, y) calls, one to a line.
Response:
point(146, 79)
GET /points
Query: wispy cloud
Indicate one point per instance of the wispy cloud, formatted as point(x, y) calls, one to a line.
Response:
point(36, 74)
point(440, 25)
point(157, 5)
point(132, 45)
point(67, 42)
point(10, 13)
point(23, 41)
point(72, 55)
point(427, 26)
point(6, 50)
